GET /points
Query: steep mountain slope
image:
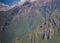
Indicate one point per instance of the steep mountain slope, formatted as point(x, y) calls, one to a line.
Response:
point(27, 23)
point(36, 36)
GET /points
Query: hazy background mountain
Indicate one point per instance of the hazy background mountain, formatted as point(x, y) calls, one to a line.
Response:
point(20, 23)
point(4, 7)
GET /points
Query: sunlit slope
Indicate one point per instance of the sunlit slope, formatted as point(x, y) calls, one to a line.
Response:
point(25, 21)
point(36, 35)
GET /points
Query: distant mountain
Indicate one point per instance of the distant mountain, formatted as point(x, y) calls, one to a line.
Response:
point(4, 7)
